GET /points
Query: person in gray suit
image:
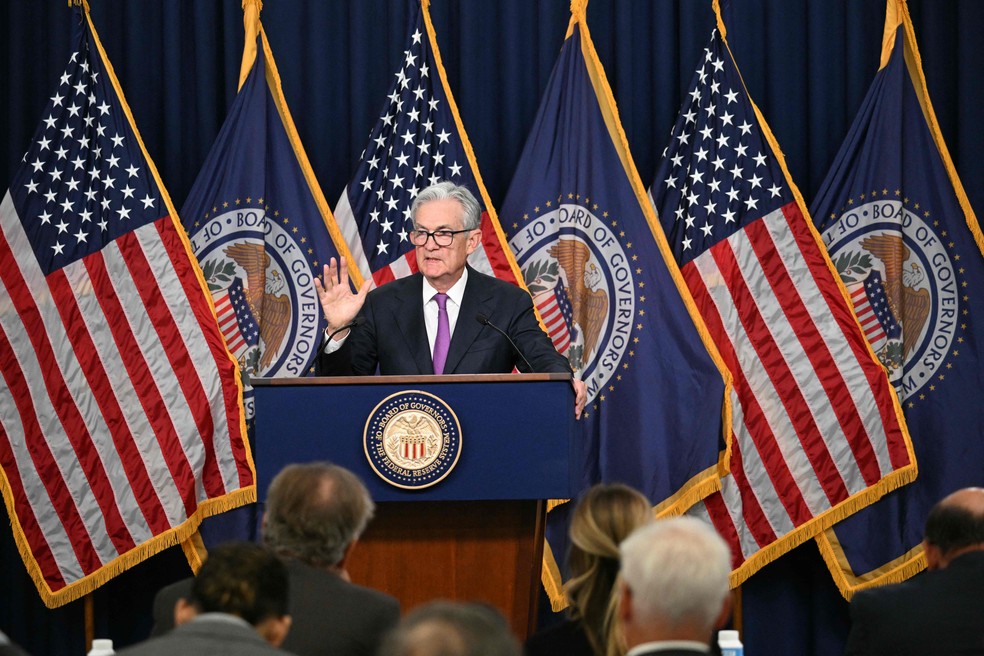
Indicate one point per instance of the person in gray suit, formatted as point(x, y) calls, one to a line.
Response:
point(237, 605)
point(315, 513)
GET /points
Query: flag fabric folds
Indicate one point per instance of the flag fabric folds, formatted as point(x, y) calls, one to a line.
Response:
point(817, 429)
point(595, 260)
point(261, 227)
point(418, 140)
point(900, 230)
point(121, 424)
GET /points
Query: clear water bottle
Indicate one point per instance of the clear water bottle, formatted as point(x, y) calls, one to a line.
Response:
point(730, 644)
point(101, 647)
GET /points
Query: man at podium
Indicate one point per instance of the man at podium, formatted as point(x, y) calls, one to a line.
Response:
point(446, 319)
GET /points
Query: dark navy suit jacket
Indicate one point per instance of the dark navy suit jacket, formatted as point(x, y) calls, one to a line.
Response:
point(394, 337)
point(939, 613)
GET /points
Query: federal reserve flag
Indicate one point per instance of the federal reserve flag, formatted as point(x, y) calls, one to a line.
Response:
point(121, 425)
point(594, 258)
point(900, 230)
point(818, 431)
point(261, 227)
point(418, 140)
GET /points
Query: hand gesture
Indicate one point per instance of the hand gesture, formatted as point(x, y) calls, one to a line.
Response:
point(338, 302)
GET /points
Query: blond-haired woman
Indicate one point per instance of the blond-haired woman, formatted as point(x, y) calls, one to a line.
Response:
point(605, 515)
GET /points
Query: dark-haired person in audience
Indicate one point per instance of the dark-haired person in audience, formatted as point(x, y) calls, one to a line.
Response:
point(604, 516)
point(314, 515)
point(444, 628)
point(938, 612)
point(406, 321)
point(237, 606)
point(674, 591)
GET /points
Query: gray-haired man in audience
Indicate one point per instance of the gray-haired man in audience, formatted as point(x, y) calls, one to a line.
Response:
point(674, 588)
point(314, 515)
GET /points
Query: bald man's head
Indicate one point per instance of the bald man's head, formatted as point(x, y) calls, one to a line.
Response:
point(955, 526)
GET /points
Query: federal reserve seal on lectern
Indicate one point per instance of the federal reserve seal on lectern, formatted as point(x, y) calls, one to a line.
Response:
point(412, 439)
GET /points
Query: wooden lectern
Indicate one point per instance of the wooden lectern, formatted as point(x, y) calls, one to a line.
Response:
point(477, 534)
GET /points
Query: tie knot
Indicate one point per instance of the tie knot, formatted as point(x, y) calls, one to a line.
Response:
point(441, 299)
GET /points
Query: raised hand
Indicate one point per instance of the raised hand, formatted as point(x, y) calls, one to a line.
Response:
point(338, 302)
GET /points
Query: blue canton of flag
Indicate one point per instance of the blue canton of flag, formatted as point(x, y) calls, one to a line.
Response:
point(816, 431)
point(417, 141)
point(83, 190)
point(585, 234)
point(260, 226)
point(120, 420)
point(893, 206)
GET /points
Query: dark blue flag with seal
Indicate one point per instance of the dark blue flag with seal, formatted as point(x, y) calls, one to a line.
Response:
point(597, 264)
point(904, 239)
point(261, 227)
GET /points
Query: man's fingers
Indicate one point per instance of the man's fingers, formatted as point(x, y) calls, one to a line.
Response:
point(342, 272)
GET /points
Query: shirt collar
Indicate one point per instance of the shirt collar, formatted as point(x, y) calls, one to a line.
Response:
point(456, 293)
point(666, 645)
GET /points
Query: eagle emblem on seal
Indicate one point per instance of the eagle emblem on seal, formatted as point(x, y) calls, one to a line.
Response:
point(265, 295)
point(907, 301)
point(589, 303)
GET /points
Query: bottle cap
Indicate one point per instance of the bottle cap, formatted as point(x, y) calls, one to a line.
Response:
point(729, 635)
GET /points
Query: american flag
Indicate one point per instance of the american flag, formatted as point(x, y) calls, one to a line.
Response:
point(557, 312)
point(120, 420)
point(236, 320)
point(874, 313)
point(816, 430)
point(417, 141)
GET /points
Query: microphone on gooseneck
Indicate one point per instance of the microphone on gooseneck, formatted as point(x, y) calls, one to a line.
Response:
point(354, 323)
point(484, 320)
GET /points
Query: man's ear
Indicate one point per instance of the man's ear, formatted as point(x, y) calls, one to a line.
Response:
point(474, 239)
point(624, 602)
point(274, 629)
point(934, 556)
point(184, 611)
point(340, 566)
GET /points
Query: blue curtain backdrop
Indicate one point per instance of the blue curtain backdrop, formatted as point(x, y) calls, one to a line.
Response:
point(807, 63)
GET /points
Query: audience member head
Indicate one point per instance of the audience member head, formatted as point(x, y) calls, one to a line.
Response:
point(245, 580)
point(954, 526)
point(315, 512)
point(604, 516)
point(674, 582)
point(443, 628)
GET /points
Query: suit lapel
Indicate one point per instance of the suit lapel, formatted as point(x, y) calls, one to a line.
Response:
point(476, 300)
point(408, 316)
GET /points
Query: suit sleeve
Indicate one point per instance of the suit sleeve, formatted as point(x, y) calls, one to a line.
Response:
point(358, 356)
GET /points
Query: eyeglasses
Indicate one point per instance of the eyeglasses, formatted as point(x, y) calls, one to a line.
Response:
point(441, 237)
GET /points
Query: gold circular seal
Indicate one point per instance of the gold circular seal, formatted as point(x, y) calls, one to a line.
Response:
point(412, 439)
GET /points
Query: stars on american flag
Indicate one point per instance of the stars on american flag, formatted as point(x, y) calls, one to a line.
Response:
point(413, 145)
point(81, 188)
point(716, 176)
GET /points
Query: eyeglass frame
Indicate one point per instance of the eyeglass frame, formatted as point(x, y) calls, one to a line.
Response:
point(433, 235)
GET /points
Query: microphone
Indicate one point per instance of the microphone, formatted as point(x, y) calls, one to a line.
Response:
point(484, 320)
point(355, 323)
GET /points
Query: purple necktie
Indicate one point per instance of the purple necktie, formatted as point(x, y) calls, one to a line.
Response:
point(443, 340)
